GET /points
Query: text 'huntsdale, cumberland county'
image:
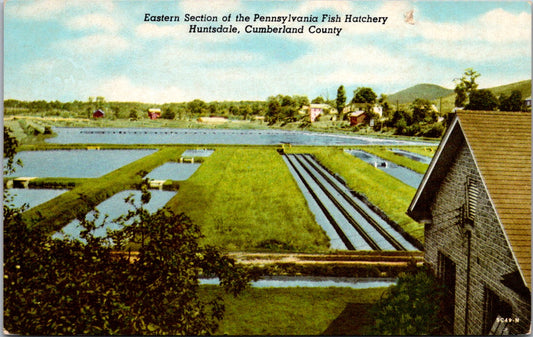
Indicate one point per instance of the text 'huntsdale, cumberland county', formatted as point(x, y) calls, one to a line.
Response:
point(265, 24)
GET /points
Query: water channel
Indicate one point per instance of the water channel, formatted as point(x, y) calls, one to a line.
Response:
point(212, 136)
point(349, 222)
point(313, 282)
point(412, 155)
point(113, 208)
point(401, 173)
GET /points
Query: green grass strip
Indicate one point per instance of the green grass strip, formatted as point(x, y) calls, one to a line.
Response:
point(245, 198)
point(427, 151)
point(290, 311)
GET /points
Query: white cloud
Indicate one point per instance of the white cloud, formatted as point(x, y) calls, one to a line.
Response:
point(496, 26)
point(40, 9)
point(121, 88)
point(155, 31)
point(49, 9)
point(473, 51)
point(98, 44)
point(214, 7)
point(101, 22)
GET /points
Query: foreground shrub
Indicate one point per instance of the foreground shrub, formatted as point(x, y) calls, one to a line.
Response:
point(92, 287)
point(411, 307)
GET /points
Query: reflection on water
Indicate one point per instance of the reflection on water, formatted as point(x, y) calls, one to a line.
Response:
point(174, 171)
point(314, 282)
point(114, 207)
point(211, 136)
point(32, 197)
point(74, 163)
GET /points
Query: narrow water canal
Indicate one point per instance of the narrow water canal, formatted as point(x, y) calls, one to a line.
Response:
point(403, 174)
point(313, 282)
point(413, 156)
point(348, 221)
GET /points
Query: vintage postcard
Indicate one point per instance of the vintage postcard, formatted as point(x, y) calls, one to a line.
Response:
point(267, 167)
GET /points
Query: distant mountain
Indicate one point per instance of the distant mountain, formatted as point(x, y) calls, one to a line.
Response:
point(425, 91)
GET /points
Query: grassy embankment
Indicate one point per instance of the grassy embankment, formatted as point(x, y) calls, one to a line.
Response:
point(382, 190)
point(244, 198)
point(54, 214)
point(296, 311)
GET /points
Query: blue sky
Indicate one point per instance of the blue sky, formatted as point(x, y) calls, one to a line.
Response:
point(56, 49)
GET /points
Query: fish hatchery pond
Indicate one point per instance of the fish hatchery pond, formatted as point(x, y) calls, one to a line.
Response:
point(349, 223)
point(213, 136)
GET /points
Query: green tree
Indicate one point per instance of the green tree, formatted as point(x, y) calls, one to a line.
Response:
point(387, 110)
point(464, 86)
point(168, 113)
point(320, 99)
point(482, 100)
point(411, 307)
point(197, 107)
point(423, 111)
point(340, 101)
point(364, 95)
point(511, 103)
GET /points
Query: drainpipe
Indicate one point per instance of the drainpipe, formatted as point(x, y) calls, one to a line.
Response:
point(469, 237)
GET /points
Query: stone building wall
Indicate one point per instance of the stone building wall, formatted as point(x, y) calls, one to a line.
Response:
point(490, 255)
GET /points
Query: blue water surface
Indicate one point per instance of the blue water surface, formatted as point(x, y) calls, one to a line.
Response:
point(212, 136)
point(75, 163)
point(115, 207)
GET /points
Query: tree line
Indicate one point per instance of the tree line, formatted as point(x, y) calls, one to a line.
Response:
point(420, 118)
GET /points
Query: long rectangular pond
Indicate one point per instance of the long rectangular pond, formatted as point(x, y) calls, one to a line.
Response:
point(313, 282)
point(173, 171)
point(115, 207)
point(412, 155)
point(401, 173)
point(75, 163)
point(212, 136)
point(32, 197)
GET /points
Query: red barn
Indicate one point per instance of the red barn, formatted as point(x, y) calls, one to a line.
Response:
point(98, 113)
point(154, 113)
point(357, 117)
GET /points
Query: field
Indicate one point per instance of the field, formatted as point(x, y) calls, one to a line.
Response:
point(285, 311)
point(246, 199)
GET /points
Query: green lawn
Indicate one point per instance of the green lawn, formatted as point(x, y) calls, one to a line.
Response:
point(245, 198)
point(295, 311)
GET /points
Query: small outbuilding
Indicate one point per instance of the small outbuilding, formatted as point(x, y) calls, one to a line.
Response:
point(475, 202)
point(357, 117)
point(154, 113)
point(99, 113)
